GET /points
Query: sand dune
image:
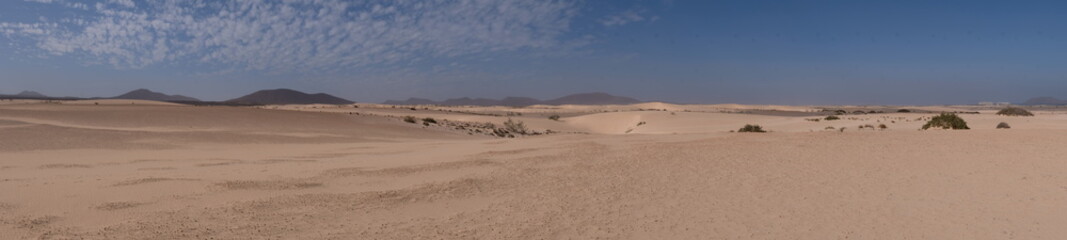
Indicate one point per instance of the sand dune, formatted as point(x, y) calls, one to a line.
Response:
point(646, 171)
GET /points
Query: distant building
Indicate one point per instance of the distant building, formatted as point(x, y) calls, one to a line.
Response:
point(994, 103)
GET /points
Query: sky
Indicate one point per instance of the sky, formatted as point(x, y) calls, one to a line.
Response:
point(745, 51)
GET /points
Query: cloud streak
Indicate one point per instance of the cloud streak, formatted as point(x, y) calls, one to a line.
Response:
point(623, 18)
point(294, 36)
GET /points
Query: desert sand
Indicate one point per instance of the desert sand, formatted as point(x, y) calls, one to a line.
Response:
point(121, 169)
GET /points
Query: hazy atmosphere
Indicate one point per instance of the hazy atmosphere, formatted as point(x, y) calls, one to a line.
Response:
point(778, 52)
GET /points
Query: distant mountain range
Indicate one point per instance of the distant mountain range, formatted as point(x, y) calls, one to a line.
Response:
point(264, 97)
point(1045, 101)
point(145, 94)
point(596, 98)
point(31, 94)
point(287, 96)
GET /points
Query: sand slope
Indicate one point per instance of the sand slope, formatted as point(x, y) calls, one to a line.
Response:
point(178, 172)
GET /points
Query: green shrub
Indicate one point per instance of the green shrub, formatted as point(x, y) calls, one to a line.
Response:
point(1014, 111)
point(429, 120)
point(751, 128)
point(903, 111)
point(832, 117)
point(1003, 125)
point(409, 119)
point(946, 121)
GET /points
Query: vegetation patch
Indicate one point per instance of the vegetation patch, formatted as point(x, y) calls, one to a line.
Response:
point(1014, 111)
point(946, 121)
point(515, 127)
point(1003, 125)
point(832, 117)
point(751, 128)
point(409, 119)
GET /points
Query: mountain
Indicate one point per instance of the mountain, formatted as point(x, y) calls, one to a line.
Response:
point(597, 98)
point(145, 94)
point(1045, 101)
point(470, 102)
point(519, 101)
point(287, 96)
point(31, 94)
point(411, 101)
point(576, 99)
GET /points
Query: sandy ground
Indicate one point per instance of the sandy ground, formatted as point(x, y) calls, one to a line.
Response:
point(145, 170)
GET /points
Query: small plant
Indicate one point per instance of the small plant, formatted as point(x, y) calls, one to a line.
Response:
point(1003, 125)
point(882, 126)
point(515, 127)
point(751, 128)
point(429, 120)
point(641, 123)
point(832, 117)
point(409, 119)
point(829, 128)
point(554, 117)
point(903, 111)
point(1014, 111)
point(946, 121)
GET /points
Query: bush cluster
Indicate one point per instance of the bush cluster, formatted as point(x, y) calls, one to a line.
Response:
point(751, 128)
point(515, 127)
point(1014, 111)
point(946, 121)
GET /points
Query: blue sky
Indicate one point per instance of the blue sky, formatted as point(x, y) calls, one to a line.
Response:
point(758, 52)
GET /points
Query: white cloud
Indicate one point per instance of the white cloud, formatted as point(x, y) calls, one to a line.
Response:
point(124, 3)
point(298, 36)
point(623, 18)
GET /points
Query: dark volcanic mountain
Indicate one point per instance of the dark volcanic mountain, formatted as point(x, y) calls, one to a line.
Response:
point(287, 96)
point(1045, 101)
point(519, 101)
point(592, 99)
point(31, 94)
point(411, 101)
point(145, 94)
point(465, 101)
point(576, 99)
